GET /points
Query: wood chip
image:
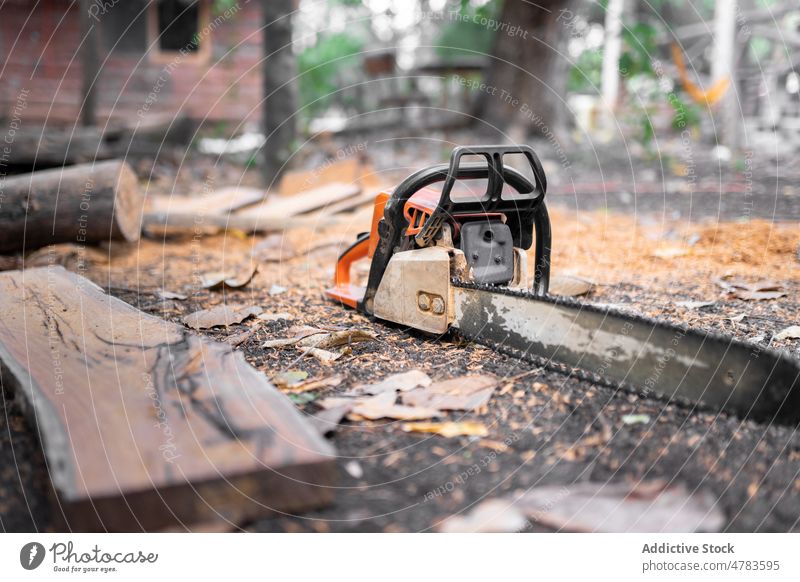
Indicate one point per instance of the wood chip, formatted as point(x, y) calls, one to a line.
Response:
point(220, 316)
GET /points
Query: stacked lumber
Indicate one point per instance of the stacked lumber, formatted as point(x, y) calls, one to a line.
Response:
point(306, 199)
point(143, 424)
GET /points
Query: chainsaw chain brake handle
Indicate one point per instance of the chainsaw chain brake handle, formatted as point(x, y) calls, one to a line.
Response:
point(526, 215)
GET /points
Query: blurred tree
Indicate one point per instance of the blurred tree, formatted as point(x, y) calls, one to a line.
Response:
point(280, 102)
point(530, 67)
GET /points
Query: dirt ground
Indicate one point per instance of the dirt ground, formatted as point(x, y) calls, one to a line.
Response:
point(544, 428)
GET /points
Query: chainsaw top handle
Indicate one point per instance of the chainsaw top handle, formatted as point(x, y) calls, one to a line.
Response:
point(525, 214)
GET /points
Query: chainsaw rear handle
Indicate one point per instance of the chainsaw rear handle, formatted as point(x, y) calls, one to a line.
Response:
point(530, 210)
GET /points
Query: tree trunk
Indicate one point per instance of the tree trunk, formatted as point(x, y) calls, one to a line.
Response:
point(526, 69)
point(80, 204)
point(280, 100)
point(90, 66)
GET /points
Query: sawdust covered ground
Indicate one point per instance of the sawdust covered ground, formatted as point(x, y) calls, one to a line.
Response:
point(544, 428)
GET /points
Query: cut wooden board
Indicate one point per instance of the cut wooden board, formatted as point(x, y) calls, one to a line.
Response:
point(316, 199)
point(277, 213)
point(143, 424)
point(222, 201)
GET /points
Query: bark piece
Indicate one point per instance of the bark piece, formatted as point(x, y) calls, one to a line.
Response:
point(88, 203)
point(143, 424)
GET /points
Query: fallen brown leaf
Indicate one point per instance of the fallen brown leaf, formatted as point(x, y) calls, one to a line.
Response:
point(644, 507)
point(570, 285)
point(460, 393)
point(234, 278)
point(219, 316)
point(317, 383)
point(396, 382)
point(758, 291)
point(383, 406)
point(791, 332)
point(327, 420)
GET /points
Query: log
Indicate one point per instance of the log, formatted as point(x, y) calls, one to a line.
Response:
point(88, 203)
point(143, 424)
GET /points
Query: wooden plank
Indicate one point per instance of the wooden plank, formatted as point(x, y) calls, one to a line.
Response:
point(158, 224)
point(315, 199)
point(222, 201)
point(143, 424)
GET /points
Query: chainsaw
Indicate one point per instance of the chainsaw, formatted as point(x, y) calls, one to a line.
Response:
point(450, 257)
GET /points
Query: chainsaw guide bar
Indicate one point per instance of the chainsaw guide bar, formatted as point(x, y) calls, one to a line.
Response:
point(637, 354)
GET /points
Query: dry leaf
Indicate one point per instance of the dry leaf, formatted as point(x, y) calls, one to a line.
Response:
point(288, 379)
point(791, 332)
point(310, 337)
point(383, 406)
point(297, 333)
point(164, 294)
point(758, 291)
point(234, 278)
point(327, 420)
point(644, 507)
point(238, 339)
point(570, 285)
point(490, 516)
point(317, 384)
point(396, 382)
point(324, 356)
point(221, 315)
point(461, 393)
point(448, 429)
point(337, 338)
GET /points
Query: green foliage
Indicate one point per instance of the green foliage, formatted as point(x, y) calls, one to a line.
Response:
point(685, 115)
point(639, 48)
point(585, 75)
point(463, 30)
point(220, 6)
point(321, 65)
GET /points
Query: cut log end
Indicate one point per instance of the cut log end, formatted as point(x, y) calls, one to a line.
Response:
point(128, 206)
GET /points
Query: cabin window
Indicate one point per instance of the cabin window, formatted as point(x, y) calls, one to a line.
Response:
point(179, 26)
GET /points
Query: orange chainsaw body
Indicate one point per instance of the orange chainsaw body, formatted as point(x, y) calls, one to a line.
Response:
point(490, 232)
